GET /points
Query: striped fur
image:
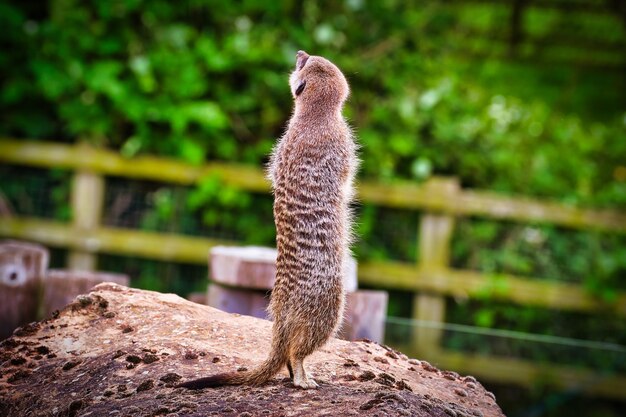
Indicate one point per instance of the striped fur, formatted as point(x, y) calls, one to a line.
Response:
point(312, 170)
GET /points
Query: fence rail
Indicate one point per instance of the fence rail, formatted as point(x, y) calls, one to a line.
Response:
point(441, 200)
point(471, 284)
point(397, 194)
point(117, 241)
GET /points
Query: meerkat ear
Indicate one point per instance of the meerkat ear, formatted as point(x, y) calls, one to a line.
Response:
point(300, 88)
point(301, 59)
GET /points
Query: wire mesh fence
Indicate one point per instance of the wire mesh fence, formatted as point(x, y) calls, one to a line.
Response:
point(35, 192)
point(539, 399)
point(501, 342)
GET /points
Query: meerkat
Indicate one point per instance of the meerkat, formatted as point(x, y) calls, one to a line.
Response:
point(311, 168)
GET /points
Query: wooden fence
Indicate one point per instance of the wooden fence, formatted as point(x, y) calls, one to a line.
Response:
point(432, 279)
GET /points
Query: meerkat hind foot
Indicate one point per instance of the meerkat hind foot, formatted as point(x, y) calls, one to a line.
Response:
point(301, 378)
point(306, 383)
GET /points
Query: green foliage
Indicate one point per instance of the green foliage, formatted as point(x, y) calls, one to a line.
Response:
point(206, 80)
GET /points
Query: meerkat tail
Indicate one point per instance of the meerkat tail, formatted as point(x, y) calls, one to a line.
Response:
point(257, 376)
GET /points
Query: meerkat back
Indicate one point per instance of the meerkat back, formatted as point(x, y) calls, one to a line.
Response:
point(312, 169)
point(312, 172)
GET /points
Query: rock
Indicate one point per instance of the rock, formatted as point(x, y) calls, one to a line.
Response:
point(187, 338)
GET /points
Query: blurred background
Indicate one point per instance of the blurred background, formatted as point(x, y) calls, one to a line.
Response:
point(502, 123)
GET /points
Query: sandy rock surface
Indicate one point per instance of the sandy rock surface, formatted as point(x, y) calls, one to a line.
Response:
point(120, 351)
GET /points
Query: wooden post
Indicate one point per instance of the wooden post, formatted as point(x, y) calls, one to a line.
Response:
point(22, 269)
point(435, 233)
point(87, 202)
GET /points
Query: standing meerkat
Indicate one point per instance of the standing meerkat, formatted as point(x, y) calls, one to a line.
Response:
point(312, 170)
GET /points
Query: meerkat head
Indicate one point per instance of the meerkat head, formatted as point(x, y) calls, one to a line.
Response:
point(318, 81)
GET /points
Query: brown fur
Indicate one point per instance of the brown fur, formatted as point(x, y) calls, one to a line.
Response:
point(312, 169)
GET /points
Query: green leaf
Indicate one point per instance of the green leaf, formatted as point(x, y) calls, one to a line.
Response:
point(207, 113)
point(191, 151)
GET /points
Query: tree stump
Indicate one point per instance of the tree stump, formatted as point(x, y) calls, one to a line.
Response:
point(22, 268)
point(120, 351)
point(243, 276)
point(365, 316)
point(62, 286)
point(235, 300)
point(254, 267)
point(197, 297)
